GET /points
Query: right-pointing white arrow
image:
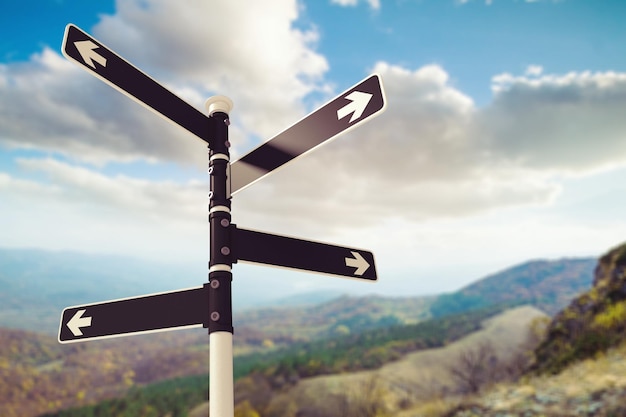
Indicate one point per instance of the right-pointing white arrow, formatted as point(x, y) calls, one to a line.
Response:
point(86, 51)
point(77, 321)
point(357, 262)
point(357, 107)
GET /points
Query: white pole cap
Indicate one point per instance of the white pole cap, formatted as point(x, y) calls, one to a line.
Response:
point(218, 103)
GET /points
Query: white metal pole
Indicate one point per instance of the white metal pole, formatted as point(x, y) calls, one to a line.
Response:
point(221, 389)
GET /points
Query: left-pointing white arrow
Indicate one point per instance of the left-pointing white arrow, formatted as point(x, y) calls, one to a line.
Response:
point(357, 262)
point(86, 51)
point(77, 321)
point(357, 107)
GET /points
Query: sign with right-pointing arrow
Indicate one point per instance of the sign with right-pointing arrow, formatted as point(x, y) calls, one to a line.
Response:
point(288, 252)
point(343, 113)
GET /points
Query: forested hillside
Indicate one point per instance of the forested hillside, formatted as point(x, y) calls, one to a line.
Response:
point(281, 369)
point(339, 316)
point(367, 350)
point(37, 374)
point(547, 285)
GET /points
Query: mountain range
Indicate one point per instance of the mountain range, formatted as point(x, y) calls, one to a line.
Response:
point(36, 285)
point(547, 285)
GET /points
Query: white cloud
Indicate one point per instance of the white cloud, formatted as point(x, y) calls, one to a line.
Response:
point(50, 104)
point(345, 3)
point(373, 4)
point(534, 70)
point(434, 154)
point(487, 2)
point(158, 200)
point(265, 65)
point(490, 2)
point(88, 211)
point(570, 123)
point(432, 161)
point(85, 210)
point(433, 175)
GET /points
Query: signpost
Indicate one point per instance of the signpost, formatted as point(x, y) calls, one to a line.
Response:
point(211, 305)
point(150, 313)
point(100, 61)
point(361, 102)
point(288, 252)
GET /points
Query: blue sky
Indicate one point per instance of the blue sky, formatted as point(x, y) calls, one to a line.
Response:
point(473, 41)
point(504, 139)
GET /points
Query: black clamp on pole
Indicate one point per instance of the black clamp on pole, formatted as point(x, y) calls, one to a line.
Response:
point(220, 259)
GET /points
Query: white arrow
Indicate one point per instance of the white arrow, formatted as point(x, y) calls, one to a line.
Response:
point(86, 51)
point(357, 262)
point(357, 107)
point(78, 321)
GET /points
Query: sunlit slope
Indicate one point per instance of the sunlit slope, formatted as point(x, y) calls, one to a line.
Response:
point(417, 375)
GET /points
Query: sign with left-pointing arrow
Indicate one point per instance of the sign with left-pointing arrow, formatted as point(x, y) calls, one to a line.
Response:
point(102, 62)
point(146, 314)
point(87, 52)
point(288, 252)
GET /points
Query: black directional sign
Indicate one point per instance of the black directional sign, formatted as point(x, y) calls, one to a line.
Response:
point(150, 313)
point(349, 109)
point(288, 252)
point(105, 64)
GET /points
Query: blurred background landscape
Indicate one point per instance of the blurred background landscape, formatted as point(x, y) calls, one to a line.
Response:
point(491, 192)
point(493, 345)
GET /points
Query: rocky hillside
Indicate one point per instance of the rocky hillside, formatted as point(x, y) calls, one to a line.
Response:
point(593, 322)
point(398, 386)
point(591, 388)
point(579, 367)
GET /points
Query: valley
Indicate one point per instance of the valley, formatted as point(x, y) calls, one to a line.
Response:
point(414, 378)
point(388, 354)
